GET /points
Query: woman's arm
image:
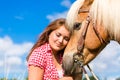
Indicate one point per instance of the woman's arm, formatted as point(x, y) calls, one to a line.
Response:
point(35, 73)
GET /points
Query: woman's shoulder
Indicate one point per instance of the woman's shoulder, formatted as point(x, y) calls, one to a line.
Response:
point(43, 48)
point(39, 56)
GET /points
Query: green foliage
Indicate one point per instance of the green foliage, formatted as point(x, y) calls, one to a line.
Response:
point(91, 78)
point(8, 79)
point(26, 78)
point(118, 78)
point(12, 79)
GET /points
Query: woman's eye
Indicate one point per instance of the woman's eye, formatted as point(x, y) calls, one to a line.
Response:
point(66, 38)
point(58, 35)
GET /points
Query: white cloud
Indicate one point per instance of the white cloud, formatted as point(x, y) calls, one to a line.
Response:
point(54, 16)
point(19, 17)
point(66, 3)
point(1, 63)
point(5, 43)
point(107, 63)
point(11, 54)
point(9, 48)
point(14, 60)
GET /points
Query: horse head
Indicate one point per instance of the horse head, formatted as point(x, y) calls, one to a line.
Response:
point(93, 24)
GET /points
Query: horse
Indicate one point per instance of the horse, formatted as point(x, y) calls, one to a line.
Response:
point(93, 23)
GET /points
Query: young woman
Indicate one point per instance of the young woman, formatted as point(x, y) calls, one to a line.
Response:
point(45, 58)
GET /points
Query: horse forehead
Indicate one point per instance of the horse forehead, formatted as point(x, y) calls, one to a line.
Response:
point(87, 3)
point(81, 17)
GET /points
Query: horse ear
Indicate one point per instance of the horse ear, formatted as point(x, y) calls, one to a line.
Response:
point(87, 3)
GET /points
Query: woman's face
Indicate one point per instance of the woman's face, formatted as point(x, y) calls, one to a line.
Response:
point(59, 38)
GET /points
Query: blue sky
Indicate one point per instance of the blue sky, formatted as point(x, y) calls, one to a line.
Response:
point(21, 21)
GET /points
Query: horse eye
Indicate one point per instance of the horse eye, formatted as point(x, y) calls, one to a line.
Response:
point(77, 26)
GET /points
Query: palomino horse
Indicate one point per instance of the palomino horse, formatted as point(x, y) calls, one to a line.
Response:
point(93, 24)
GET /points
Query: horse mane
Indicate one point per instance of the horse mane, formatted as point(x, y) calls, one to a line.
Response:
point(107, 13)
point(72, 13)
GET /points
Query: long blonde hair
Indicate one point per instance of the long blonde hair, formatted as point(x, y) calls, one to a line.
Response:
point(107, 13)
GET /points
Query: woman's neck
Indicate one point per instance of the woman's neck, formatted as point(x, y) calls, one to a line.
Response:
point(56, 57)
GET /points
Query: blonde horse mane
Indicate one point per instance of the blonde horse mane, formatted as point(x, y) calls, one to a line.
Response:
point(73, 12)
point(107, 13)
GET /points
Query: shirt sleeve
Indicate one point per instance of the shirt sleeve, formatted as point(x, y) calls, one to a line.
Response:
point(37, 58)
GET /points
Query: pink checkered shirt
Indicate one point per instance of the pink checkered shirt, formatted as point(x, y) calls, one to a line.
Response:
point(42, 58)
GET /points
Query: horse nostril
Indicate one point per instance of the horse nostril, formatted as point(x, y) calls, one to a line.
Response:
point(77, 26)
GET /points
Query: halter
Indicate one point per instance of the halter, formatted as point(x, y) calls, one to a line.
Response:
point(79, 57)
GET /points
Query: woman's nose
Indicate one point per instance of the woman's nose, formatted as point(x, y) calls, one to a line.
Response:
point(61, 39)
